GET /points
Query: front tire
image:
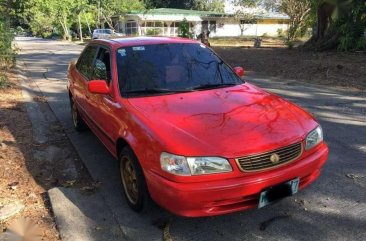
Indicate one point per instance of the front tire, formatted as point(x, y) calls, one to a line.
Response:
point(133, 181)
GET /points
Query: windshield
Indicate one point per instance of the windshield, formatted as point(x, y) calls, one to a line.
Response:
point(168, 68)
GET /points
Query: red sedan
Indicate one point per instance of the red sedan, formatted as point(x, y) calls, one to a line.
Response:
point(188, 131)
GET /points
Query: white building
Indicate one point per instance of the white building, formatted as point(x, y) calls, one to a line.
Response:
point(165, 22)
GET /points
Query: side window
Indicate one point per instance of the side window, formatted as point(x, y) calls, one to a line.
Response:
point(85, 62)
point(102, 66)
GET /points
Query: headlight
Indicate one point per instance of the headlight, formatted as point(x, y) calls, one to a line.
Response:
point(186, 166)
point(208, 165)
point(174, 164)
point(314, 137)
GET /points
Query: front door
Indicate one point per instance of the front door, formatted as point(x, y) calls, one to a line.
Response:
point(102, 108)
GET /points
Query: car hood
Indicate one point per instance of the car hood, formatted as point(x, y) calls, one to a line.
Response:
point(229, 122)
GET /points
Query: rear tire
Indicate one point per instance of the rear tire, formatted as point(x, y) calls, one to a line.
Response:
point(77, 120)
point(133, 181)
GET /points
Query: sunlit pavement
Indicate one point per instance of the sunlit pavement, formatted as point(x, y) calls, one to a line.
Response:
point(333, 208)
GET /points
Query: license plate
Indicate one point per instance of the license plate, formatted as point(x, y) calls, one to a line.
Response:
point(278, 192)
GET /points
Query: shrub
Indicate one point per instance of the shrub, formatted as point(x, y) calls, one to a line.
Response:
point(153, 31)
point(3, 83)
point(280, 33)
point(46, 35)
point(184, 30)
point(290, 44)
point(7, 55)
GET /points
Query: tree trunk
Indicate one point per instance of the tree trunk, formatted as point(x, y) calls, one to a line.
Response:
point(109, 22)
point(65, 29)
point(80, 28)
point(87, 23)
point(324, 14)
point(323, 39)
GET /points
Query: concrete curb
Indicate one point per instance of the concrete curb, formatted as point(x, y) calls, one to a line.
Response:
point(71, 208)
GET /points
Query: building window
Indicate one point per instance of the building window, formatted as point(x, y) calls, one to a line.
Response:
point(174, 28)
point(153, 28)
point(209, 25)
point(131, 28)
point(248, 21)
point(212, 26)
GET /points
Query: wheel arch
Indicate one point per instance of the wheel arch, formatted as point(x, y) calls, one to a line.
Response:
point(120, 144)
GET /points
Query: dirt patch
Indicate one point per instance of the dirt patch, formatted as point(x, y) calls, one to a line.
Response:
point(25, 179)
point(266, 42)
point(328, 68)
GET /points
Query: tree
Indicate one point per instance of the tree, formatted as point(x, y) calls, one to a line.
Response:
point(79, 10)
point(110, 8)
point(184, 29)
point(340, 25)
point(272, 5)
point(245, 20)
point(182, 4)
point(209, 5)
point(7, 54)
point(244, 17)
point(298, 11)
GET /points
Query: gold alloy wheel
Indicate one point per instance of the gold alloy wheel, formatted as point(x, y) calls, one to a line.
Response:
point(129, 180)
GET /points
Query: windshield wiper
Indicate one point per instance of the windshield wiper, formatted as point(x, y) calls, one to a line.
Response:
point(212, 86)
point(154, 91)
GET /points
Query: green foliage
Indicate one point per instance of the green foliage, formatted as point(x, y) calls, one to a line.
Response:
point(352, 25)
point(209, 5)
point(48, 16)
point(3, 82)
point(298, 11)
point(280, 33)
point(204, 5)
point(290, 44)
point(183, 4)
point(7, 54)
point(153, 32)
point(246, 3)
point(184, 30)
point(340, 25)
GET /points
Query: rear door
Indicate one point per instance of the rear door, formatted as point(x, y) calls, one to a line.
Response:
point(83, 73)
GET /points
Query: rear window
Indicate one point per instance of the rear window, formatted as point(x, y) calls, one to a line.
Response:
point(85, 62)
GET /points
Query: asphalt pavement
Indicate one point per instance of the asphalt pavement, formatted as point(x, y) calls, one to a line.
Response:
point(333, 208)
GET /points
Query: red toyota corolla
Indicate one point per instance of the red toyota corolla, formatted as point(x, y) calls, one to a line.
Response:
point(188, 131)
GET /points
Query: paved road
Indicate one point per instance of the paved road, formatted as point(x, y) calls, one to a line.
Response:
point(333, 208)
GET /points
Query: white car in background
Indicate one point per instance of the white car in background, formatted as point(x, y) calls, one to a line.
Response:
point(105, 33)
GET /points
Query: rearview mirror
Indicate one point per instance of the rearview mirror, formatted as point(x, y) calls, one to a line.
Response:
point(239, 71)
point(98, 87)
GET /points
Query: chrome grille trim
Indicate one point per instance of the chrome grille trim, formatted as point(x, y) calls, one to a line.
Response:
point(261, 161)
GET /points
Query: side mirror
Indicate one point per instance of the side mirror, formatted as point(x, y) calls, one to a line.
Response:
point(239, 71)
point(98, 87)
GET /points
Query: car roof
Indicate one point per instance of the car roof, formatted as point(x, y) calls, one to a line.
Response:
point(131, 41)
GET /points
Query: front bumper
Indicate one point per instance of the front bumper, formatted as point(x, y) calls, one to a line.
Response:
point(231, 195)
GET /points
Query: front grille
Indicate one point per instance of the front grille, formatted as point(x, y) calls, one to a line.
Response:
point(262, 161)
